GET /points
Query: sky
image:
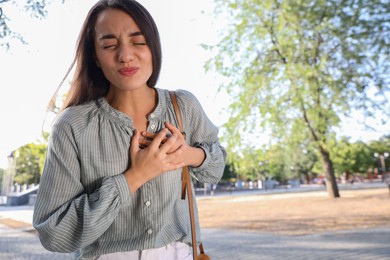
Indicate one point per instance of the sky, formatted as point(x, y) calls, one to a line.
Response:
point(31, 73)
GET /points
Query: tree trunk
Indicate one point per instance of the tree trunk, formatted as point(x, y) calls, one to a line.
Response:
point(327, 166)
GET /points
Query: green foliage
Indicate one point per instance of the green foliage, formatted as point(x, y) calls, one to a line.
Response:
point(301, 63)
point(380, 146)
point(34, 8)
point(351, 157)
point(302, 157)
point(228, 172)
point(299, 159)
point(295, 67)
point(245, 163)
point(277, 163)
point(30, 162)
point(280, 161)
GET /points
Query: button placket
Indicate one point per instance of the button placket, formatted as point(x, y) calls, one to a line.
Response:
point(148, 209)
point(152, 122)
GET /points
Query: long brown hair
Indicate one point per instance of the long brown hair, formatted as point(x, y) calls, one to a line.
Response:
point(89, 83)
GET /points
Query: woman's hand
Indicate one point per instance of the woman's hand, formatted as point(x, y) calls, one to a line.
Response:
point(189, 155)
point(147, 138)
point(159, 156)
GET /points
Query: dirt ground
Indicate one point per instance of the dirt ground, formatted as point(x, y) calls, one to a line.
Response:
point(299, 213)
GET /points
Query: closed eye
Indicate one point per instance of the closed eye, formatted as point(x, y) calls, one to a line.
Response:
point(109, 46)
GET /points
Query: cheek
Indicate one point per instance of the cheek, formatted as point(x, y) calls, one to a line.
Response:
point(147, 57)
point(102, 61)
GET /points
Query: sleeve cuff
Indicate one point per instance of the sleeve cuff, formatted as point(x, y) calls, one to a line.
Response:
point(205, 162)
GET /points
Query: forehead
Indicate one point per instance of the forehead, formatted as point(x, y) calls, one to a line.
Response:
point(115, 21)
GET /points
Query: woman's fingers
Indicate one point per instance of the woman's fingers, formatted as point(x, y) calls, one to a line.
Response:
point(154, 160)
point(169, 144)
point(172, 128)
point(143, 143)
point(148, 135)
point(146, 139)
point(159, 138)
point(164, 140)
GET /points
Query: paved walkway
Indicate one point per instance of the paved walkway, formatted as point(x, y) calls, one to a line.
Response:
point(371, 244)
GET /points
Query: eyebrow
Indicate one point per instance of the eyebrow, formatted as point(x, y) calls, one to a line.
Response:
point(112, 36)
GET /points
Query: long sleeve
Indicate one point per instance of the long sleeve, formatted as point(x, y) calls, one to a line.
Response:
point(65, 216)
point(204, 134)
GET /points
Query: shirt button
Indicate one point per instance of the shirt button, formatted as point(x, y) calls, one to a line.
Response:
point(151, 115)
point(149, 231)
point(148, 203)
point(152, 126)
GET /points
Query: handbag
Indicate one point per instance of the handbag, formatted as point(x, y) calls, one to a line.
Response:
point(187, 186)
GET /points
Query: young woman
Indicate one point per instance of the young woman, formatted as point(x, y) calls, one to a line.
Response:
point(111, 185)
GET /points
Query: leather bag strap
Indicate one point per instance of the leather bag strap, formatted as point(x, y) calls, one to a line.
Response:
point(180, 125)
point(186, 181)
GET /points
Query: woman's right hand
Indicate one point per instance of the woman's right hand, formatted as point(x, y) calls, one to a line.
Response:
point(151, 161)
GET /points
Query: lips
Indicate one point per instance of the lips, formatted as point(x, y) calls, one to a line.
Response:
point(128, 71)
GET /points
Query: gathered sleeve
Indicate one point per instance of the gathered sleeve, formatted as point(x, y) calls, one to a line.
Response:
point(202, 133)
point(65, 216)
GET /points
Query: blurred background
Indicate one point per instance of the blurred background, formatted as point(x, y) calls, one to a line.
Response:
point(299, 90)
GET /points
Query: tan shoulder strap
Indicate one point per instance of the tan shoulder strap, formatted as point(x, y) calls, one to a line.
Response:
point(177, 111)
point(186, 181)
point(180, 125)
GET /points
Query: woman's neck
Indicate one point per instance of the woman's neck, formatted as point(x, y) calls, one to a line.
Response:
point(137, 104)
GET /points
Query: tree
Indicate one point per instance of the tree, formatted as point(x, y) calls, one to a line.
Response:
point(246, 169)
point(301, 157)
point(350, 157)
point(380, 146)
point(35, 8)
point(30, 163)
point(228, 172)
point(298, 66)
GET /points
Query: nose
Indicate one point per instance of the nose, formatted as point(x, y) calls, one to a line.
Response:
point(126, 54)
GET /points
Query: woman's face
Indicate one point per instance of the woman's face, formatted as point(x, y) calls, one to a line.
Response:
point(121, 51)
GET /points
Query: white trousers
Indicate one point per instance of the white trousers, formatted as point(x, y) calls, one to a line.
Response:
point(174, 251)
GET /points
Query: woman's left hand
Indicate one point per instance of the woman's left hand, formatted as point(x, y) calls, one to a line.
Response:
point(190, 155)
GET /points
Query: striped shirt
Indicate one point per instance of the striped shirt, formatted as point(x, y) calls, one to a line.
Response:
point(84, 205)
